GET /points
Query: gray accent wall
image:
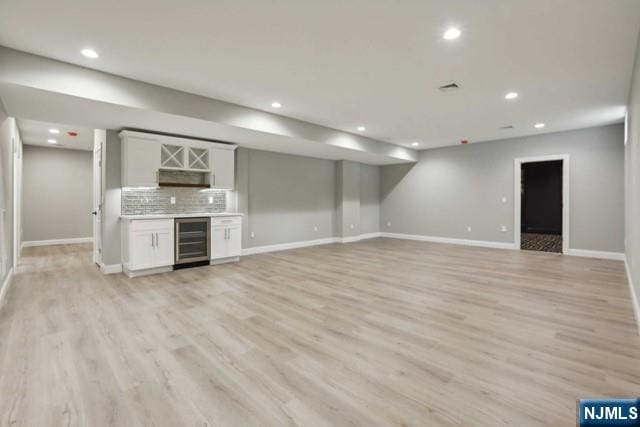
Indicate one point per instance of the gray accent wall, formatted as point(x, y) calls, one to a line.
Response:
point(632, 183)
point(453, 188)
point(347, 199)
point(369, 199)
point(57, 193)
point(284, 197)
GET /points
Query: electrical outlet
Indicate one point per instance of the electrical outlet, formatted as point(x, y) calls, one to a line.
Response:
point(351, 226)
point(504, 200)
point(315, 228)
point(253, 234)
point(173, 200)
point(469, 228)
point(388, 223)
point(210, 200)
point(503, 228)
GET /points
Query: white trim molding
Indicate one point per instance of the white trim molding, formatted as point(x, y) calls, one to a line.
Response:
point(517, 168)
point(5, 286)
point(370, 235)
point(57, 242)
point(452, 241)
point(634, 297)
point(596, 254)
point(307, 243)
point(287, 246)
point(111, 269)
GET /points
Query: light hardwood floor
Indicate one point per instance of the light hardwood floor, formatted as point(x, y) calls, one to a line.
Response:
point(381, 332)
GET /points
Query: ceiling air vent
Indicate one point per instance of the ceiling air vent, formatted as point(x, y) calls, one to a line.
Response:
point(506, 127)
point(449, 87)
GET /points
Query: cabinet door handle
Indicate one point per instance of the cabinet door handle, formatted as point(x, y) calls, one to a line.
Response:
point(153, 242)
point(157, 240)
point(213, 175)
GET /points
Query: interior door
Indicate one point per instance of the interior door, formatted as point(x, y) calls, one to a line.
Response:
point(99, 136)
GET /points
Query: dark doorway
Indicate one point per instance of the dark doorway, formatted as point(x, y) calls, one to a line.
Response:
point(541, 206)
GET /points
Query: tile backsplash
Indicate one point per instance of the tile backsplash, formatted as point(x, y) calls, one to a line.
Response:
point(149, 201)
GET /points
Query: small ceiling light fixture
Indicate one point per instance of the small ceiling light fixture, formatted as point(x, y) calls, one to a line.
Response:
point(51, 141)
point(276, 104)
point(54, 131)
point(415, 144)
point(451, 33)
point(511, 95)
point(362, 128)
point(89, 53)
point(538, 125)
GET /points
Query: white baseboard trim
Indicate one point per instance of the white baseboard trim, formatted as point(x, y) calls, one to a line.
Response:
point(5, 286)
point(634, 297)
point(111, 269)
point(596, 254)
point(286, 246)
point(370, 235)
point(57, 242)
point(453, 241)
point(307, 243)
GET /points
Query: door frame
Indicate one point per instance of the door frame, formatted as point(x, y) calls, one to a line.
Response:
point(97, 203)
point(517, 164)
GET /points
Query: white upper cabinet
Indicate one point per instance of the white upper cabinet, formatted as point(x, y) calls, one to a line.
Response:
point(223, 167)
point(144, 155)
point(140, 162)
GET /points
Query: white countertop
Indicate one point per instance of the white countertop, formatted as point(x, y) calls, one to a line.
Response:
point(190, 215)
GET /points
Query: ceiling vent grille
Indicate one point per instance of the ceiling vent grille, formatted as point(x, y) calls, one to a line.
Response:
point(449, 87)
point(506, 127)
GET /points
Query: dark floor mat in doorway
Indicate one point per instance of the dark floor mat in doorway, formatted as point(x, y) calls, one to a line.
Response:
point(541, 242)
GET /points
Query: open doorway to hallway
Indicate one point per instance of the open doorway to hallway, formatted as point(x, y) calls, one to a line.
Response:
point(541, 206)
point(56, 184)
point(541, 200)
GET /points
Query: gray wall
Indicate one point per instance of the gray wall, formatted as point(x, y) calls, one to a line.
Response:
point(284, 197)
point(57, 193)
point(632, 181)
point(111, 189)
point(369, 199)
point(455, 187)
point(6, 191)
point(347, 199)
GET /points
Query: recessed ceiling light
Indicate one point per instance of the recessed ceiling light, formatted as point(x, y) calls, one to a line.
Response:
point(56, 131)
point(51, 141)
point(89, 53)
point(538, 125)
point(276, 104)
point(415, 144)
point(362, 128)
point(451, 34)
point(511, 95)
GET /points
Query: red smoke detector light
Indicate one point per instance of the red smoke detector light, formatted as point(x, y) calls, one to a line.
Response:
point(72, 133)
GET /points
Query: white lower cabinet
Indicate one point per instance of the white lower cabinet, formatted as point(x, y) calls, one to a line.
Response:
point(148, 244)
point(226, 238)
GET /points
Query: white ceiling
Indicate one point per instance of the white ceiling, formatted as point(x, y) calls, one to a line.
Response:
point(371, 62)
point(37, 133)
